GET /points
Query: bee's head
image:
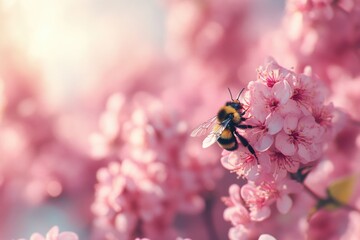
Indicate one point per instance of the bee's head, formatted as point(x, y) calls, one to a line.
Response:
point(235, 103)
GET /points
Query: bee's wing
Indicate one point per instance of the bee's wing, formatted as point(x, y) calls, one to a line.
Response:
point(215, 134)
point(203, 128)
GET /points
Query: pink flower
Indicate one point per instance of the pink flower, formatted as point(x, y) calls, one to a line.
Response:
point(54, 234)
point(266, 130)
point(300, 136)
point(257, 201)
point(258, 197)
point(272, 73)
point(266, 237)
point(235, 212)
point(243, 163)
point(280, 164)
point(324, 115)
point(306, 91)
point(238, 214)
point(265, 100)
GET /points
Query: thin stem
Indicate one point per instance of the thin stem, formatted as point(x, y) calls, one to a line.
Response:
point(351, 208)
point(312, 193)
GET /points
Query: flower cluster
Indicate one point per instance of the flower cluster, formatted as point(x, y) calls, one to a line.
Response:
point(149, 179)
point(291, 126)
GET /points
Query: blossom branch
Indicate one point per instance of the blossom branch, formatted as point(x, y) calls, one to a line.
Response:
point(329, 200)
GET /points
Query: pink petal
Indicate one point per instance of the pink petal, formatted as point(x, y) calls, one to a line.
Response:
point(290, 123)
point(230, 215)
point(36, 236)
point(291, 107)
point(265, 162)
point(68, 236)
point(252, 173)
point(266, 237)
point(230, 161)
point(260, 214)
point(239, 232)
point(261, 91)
point(53, 233)
point(307, 122)
point(247, 191)
point(274, 123)
point(234, 192)
point(271, 63)
point(125, 222)
point(305, 153)
point(237, 215)
point(264, 143)
point(284, 204)
point(280, 173)
point(282, 91)
point(259, 111)
point(293, 167)
point(283, 144)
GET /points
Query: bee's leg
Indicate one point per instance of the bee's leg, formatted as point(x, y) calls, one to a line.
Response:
point(243, 113)
point(244, 126)
point(246, 143)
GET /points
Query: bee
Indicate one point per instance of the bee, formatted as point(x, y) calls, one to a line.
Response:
point(224, 127)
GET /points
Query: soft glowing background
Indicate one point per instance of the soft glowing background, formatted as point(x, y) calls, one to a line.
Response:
point(68, 46)
point(72, 43)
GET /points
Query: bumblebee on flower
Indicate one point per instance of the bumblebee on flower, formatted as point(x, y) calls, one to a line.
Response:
point(224, 127)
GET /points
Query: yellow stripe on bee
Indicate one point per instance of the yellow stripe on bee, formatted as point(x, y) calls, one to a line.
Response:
point(227, 134)
point(231, 110)
point(228, 146)
point(236, 118)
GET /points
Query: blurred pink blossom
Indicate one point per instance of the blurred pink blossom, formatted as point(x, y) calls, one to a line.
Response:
point(149, 178)
point(310, 26)
point(54, 234)
point(211, 35)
